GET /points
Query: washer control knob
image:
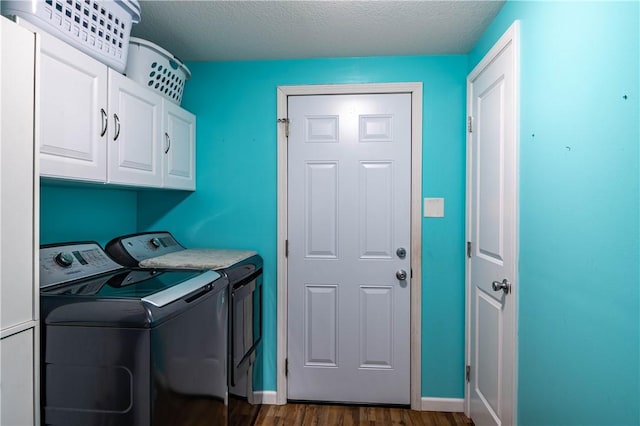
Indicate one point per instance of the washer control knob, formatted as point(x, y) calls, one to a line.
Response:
point(155, 242)
point(64, 259)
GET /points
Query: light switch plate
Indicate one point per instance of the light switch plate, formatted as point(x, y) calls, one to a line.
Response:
point(433, 207)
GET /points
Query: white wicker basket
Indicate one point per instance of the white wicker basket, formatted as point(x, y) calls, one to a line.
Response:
point(99, 28)
point(154, 67)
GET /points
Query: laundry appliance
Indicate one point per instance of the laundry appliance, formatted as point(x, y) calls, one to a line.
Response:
point(243, 269)
point(135, 347)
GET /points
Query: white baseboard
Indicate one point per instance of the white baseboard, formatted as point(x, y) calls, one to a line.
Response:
point(448, 405)
point(266, 397)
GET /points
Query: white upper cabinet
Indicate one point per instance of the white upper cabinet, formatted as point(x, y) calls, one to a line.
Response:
point(73, 113)
point(135, 115)
point(179, 149)
point(100, 126)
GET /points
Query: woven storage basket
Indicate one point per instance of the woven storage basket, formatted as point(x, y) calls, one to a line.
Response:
point(99, 28)
point(154, 67)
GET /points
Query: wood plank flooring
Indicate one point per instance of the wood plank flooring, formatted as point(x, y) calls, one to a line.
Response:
point(347, 415)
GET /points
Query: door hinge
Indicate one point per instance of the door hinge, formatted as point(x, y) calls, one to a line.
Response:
point(469, 124)
point(468, 248)
point(467, 373)
point(286, 126)
point(286, 367)
point(286, 248)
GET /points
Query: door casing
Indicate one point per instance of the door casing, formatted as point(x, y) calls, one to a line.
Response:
point(511, 36)
point(415, 89)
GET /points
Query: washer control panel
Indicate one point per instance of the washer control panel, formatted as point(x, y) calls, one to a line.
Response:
point(67, 262)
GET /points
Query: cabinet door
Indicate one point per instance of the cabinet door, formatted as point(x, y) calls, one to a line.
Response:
point(17, 400)
point(73, 103)
point(134, 156)
point(179, 149)
point(16, 175)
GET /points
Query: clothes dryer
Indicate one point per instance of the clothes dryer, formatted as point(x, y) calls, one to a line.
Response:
point(243, 269)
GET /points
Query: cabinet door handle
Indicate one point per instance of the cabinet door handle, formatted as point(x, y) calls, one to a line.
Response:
point(168, 139)
point(117, 126)
point(104, 122)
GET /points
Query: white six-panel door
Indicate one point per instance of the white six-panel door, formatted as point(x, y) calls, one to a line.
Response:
point(492, 221)
point(349, 179)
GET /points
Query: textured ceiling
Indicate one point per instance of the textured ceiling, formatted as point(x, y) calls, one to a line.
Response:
point(253, 30)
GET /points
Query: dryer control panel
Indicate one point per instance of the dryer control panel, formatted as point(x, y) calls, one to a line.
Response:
point(61, 263)
point(129, 250)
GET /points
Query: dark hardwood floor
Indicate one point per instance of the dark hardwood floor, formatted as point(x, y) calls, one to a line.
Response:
point(347, 415)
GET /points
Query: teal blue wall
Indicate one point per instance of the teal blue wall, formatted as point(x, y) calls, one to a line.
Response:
point(579, 204)
point(85, 213)
point(579, 277)
point(236, 197)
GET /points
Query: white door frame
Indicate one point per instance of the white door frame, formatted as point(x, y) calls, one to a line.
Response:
point(511, 36)
point(415, 89)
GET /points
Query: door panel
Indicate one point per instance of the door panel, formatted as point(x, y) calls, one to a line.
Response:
point(321, 210)
point(376, 331)
point(179, 150)
point(134, 152)
point(17, 84)
point(490, 172)
point(321, 334)
point(492, 231)
point(489, 332)
point(376, 201)
point(376, 128)
point(349, 183)
point(17, 373)
point(321, 129)
point(73, 101)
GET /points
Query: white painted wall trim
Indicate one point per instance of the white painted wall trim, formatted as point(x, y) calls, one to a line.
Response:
point(447, 405)
point(265, 397)
point(511, 36)
point(415, 89)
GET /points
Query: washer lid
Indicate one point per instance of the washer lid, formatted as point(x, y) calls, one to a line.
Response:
point(125, 284)
point(129, 298)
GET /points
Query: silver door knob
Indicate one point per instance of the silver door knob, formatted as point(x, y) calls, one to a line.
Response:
point(401, 274)
point(505, 286)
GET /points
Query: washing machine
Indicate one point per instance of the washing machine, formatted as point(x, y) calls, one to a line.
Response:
point(136, 347)
point(243, 269)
